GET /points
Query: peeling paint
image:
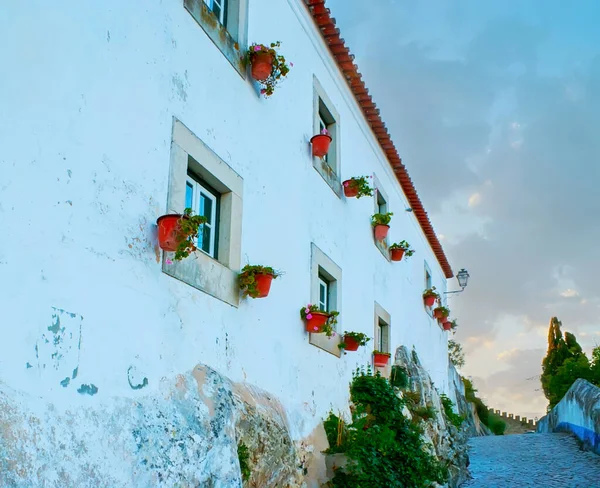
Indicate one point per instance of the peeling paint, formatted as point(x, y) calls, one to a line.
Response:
point(64, 383)
point(88, 389)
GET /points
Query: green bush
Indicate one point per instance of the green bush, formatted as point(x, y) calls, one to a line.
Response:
point(424, 413)
point(496, 424)
point(448, 405)
point(384, 448)
point(243, 457)
point(399, 377)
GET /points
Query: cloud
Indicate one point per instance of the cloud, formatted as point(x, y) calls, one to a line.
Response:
point(508, 123)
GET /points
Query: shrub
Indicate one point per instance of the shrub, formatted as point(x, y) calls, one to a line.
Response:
point(384, 448)
point(399, 377)
point(243, 457)
point(454, 418)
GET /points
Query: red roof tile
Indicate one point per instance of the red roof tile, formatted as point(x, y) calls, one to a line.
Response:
point(345, 61)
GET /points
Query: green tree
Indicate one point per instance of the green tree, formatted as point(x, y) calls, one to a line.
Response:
point(565, 361)
point(595, 366)
point(455, 351)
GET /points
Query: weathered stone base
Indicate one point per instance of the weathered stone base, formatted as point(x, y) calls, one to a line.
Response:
point(184, 436)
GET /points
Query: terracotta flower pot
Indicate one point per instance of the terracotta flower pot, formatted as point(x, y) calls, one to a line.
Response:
point(429, 301)
point(396, 254)
point(168, 230)
point(262, 65)
point(320, 144)
point(316, 323)
point(263, 284)
point(447, 325)
point(381, 231)
point(350, 190)
point(351, 343)
point(438, 314)
point(380, 360)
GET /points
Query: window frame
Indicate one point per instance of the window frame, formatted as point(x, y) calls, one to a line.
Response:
point(380, 193)
point(202, 188)
point(229, 35)
point(382, 315)
point(330, 167)
point(217, 276)
point(222, 4)
point(324, 283)
point(324, 269)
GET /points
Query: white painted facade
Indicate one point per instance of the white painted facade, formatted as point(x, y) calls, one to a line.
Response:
point(88, 97)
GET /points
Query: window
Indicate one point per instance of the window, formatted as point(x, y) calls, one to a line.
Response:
point(326, 292)
point(427, 277)
point(226, 24)
point(326, 117)
point(218, 8)
point(199, 179)
point(381, 206)
point(204, 202)
point(382, 333)
point(323, 294)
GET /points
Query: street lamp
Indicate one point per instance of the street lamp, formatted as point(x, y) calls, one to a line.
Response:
point(463, 278)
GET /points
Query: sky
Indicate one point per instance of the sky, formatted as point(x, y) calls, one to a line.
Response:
point(494, 107)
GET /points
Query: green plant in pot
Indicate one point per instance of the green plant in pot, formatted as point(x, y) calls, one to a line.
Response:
point(380, 358)
point(441, 313)
point(353, 340)
point(357, 187)
point(255, 280)
point(380, 223)
point(179, 233)
point(400, 249)
point(430, 296)
point(268, 67)
point(318, 321)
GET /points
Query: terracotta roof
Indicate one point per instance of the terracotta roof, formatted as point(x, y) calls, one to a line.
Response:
point(345, 61)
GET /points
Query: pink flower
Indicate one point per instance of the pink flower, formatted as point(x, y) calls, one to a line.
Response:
point(333, 335)
point(325, 132)
point(168, 261)
point(263, 91)
point(346, 184)
point(316, 328)
point(308, 306)
point(309, 316)
point(257, 48)
point(307, 310)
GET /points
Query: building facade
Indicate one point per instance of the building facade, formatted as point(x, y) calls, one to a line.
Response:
point(115, 113)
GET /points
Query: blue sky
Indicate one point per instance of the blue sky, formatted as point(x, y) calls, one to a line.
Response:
point(495, 109)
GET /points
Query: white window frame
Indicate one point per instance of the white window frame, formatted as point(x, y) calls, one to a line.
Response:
point(228, 31)
point(380, 194)
point(217, 276)
point(197, 190)
point(381, 315)
point(323, 269)
point(222, 4)
point(329, 167)
point(324, 284)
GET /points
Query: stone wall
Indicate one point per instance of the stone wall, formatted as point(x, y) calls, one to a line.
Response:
point(578, 412)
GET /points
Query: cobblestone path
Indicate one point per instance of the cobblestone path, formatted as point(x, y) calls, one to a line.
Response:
point(542, 460)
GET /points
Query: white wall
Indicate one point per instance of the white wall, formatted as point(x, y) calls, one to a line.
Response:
point(88, 94)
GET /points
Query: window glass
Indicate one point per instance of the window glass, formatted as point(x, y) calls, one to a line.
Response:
point(323, 295)
point(203, 202)
point(218, 8)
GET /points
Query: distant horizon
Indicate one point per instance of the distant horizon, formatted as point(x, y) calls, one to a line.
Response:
point(497, 133)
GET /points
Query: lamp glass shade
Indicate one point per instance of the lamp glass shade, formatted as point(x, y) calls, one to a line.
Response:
point(463, 278)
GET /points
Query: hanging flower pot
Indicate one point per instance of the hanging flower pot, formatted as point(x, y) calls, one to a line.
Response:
point(380, 359)
point(351, 343)
point(438, 313)
point(381, 232)
point(430, 296)
point(429, 301)
point(262, 65)
point(317, 321)
point(350, 190)
point(441, 313)
point(320, 144)
point(353, 340)
point(447, 325)
point(357, 187)
point(396, 254)
point(168, 227)
point(255, 281)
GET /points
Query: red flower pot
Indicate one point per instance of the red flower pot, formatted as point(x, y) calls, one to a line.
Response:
point(263, 284)
point(438, 314)
point(168, 230)
point(429, 301)
point(351, 343)
point(381, 232)
point(447, 325)
point(320, 145)
point(380, 360)
point(396, 254)
point(314, 325)
point(350, 190)
point(262, 65)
